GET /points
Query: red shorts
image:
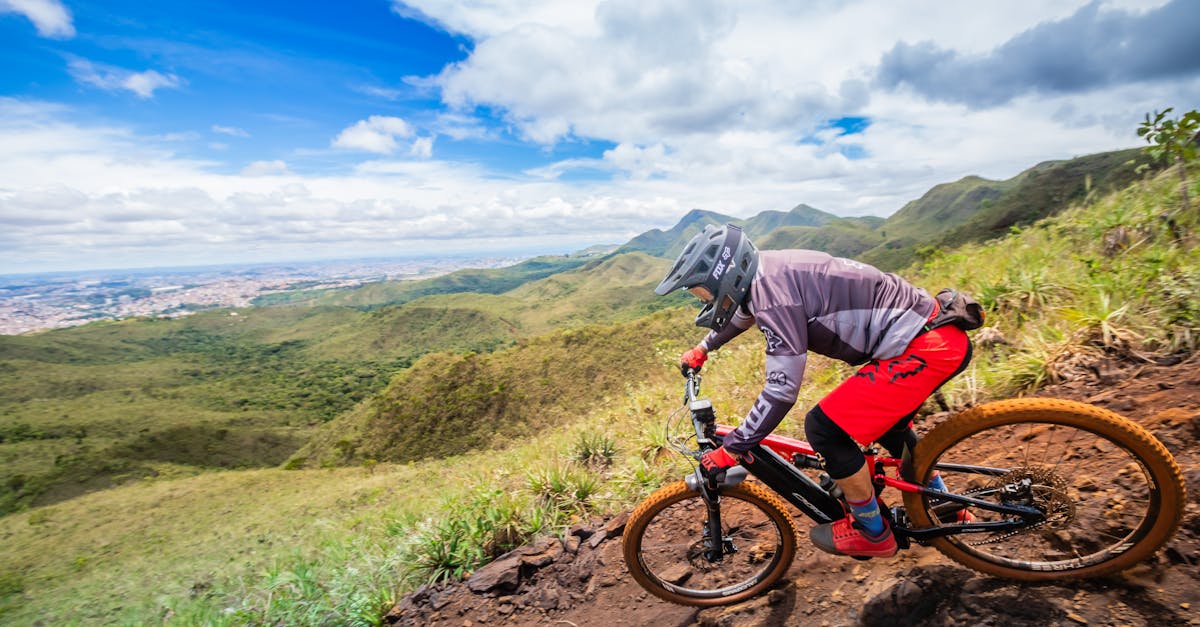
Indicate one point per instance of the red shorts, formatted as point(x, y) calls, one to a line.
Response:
point(882, 393)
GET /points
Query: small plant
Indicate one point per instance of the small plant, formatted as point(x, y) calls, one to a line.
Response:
point(1099, 325)
point(562, 487)
point(594, 450)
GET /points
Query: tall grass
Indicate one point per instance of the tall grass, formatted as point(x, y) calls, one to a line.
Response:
point(1108, 279)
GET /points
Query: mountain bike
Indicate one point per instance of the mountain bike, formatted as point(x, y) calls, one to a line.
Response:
point(1054, 489)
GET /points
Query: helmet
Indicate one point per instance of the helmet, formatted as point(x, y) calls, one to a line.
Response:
point(722, 260)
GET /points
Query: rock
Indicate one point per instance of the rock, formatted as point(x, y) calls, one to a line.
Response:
point(581, 531)
point(503, 574)
point(547, 556)
point(545, 598)
point(616, 526)
point(676, 574)
point(571, 544)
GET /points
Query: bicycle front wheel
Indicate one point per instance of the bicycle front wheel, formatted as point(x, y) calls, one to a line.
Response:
point(1110, 493)
point(666, 543)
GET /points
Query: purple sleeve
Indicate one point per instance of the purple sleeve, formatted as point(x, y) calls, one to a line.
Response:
point(774, 402)
point(739, 323)
point(786, 359)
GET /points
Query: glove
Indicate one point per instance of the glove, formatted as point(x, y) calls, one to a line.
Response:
point(692, 359)
point(714, 463)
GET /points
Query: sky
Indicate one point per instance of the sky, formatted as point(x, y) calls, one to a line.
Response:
point(139, 134)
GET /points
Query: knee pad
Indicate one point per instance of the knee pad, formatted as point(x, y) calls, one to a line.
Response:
point(841, 453)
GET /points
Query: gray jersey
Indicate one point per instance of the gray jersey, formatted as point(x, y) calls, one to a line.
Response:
point(805, 300)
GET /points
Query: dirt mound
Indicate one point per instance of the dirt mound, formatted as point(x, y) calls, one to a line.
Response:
point(582, 580)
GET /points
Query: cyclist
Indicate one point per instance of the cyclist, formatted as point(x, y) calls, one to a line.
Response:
point(802, 301)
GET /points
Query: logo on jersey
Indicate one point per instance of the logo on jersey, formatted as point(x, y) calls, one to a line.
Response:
point(773, 340)
point(777, 377)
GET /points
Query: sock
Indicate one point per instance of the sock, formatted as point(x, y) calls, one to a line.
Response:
point(867, 514)
point(937, 484)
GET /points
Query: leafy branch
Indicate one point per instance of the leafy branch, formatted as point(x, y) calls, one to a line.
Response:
point(1173, 140)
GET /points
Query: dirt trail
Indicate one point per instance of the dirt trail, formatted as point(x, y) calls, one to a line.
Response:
point(585, 582)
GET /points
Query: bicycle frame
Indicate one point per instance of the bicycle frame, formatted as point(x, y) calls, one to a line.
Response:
point(777, 460)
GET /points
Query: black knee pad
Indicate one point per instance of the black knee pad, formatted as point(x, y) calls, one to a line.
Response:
point(841, 453)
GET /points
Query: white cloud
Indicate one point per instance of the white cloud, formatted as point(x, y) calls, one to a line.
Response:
point(712, 105)
point(50, 17)
point(232, 131)
point(266, 168)
point(422, 148)
point(375, 134)
point(111, 78)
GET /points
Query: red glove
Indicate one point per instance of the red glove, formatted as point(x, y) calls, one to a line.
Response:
point(692, 359)
point(714, 463)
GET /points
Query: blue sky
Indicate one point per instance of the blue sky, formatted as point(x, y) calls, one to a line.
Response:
point(168, 133)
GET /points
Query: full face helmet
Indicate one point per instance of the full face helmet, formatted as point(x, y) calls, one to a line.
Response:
point(723, 261)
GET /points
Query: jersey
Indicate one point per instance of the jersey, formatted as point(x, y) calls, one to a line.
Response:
point(805, 300)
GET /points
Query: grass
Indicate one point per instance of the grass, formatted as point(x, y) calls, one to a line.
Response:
point(1063, 295)
point(336, 545)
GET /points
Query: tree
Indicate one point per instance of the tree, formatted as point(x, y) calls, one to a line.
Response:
point(1173, 141)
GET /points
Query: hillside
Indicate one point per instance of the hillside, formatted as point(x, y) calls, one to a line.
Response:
point(841, 238)
point(91, 407)
point(974, 209)
point(971, 209)
point(152, 441)
point(446, 404)
point(669, 243)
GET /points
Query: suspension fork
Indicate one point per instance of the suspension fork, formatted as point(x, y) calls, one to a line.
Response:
point(713, 529)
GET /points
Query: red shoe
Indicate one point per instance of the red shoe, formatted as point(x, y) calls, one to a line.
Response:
point(847, 537)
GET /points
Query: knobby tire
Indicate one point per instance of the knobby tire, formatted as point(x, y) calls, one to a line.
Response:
point(664, 534)
point(1107, 515)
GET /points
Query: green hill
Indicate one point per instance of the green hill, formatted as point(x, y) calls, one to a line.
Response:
point(974, 209)
point(968, 210)
point(847, 237)
point(449, 403)
point(669, 243)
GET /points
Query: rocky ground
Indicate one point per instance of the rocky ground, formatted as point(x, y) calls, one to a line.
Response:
point(583, 581)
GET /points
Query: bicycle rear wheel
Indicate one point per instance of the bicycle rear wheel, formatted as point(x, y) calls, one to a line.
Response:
point(666, 539)
point(1111, 493)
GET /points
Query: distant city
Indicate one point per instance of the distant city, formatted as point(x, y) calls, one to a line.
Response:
point(38, 302)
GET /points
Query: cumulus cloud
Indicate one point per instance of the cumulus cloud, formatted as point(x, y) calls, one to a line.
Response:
point(50, 17)
point(722, 106)
point(642, 71)
point(1090, 49)
point(376, 134)
point(111, 78)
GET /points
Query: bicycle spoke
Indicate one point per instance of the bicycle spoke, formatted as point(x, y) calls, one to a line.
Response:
point(1103, 514)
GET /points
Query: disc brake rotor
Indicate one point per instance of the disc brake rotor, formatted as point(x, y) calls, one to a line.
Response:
point(1047, 492)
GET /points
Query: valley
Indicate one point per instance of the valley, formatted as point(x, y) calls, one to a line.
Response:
point(312, 458)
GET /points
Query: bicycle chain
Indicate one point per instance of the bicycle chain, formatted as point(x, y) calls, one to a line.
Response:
point(1054, 495)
